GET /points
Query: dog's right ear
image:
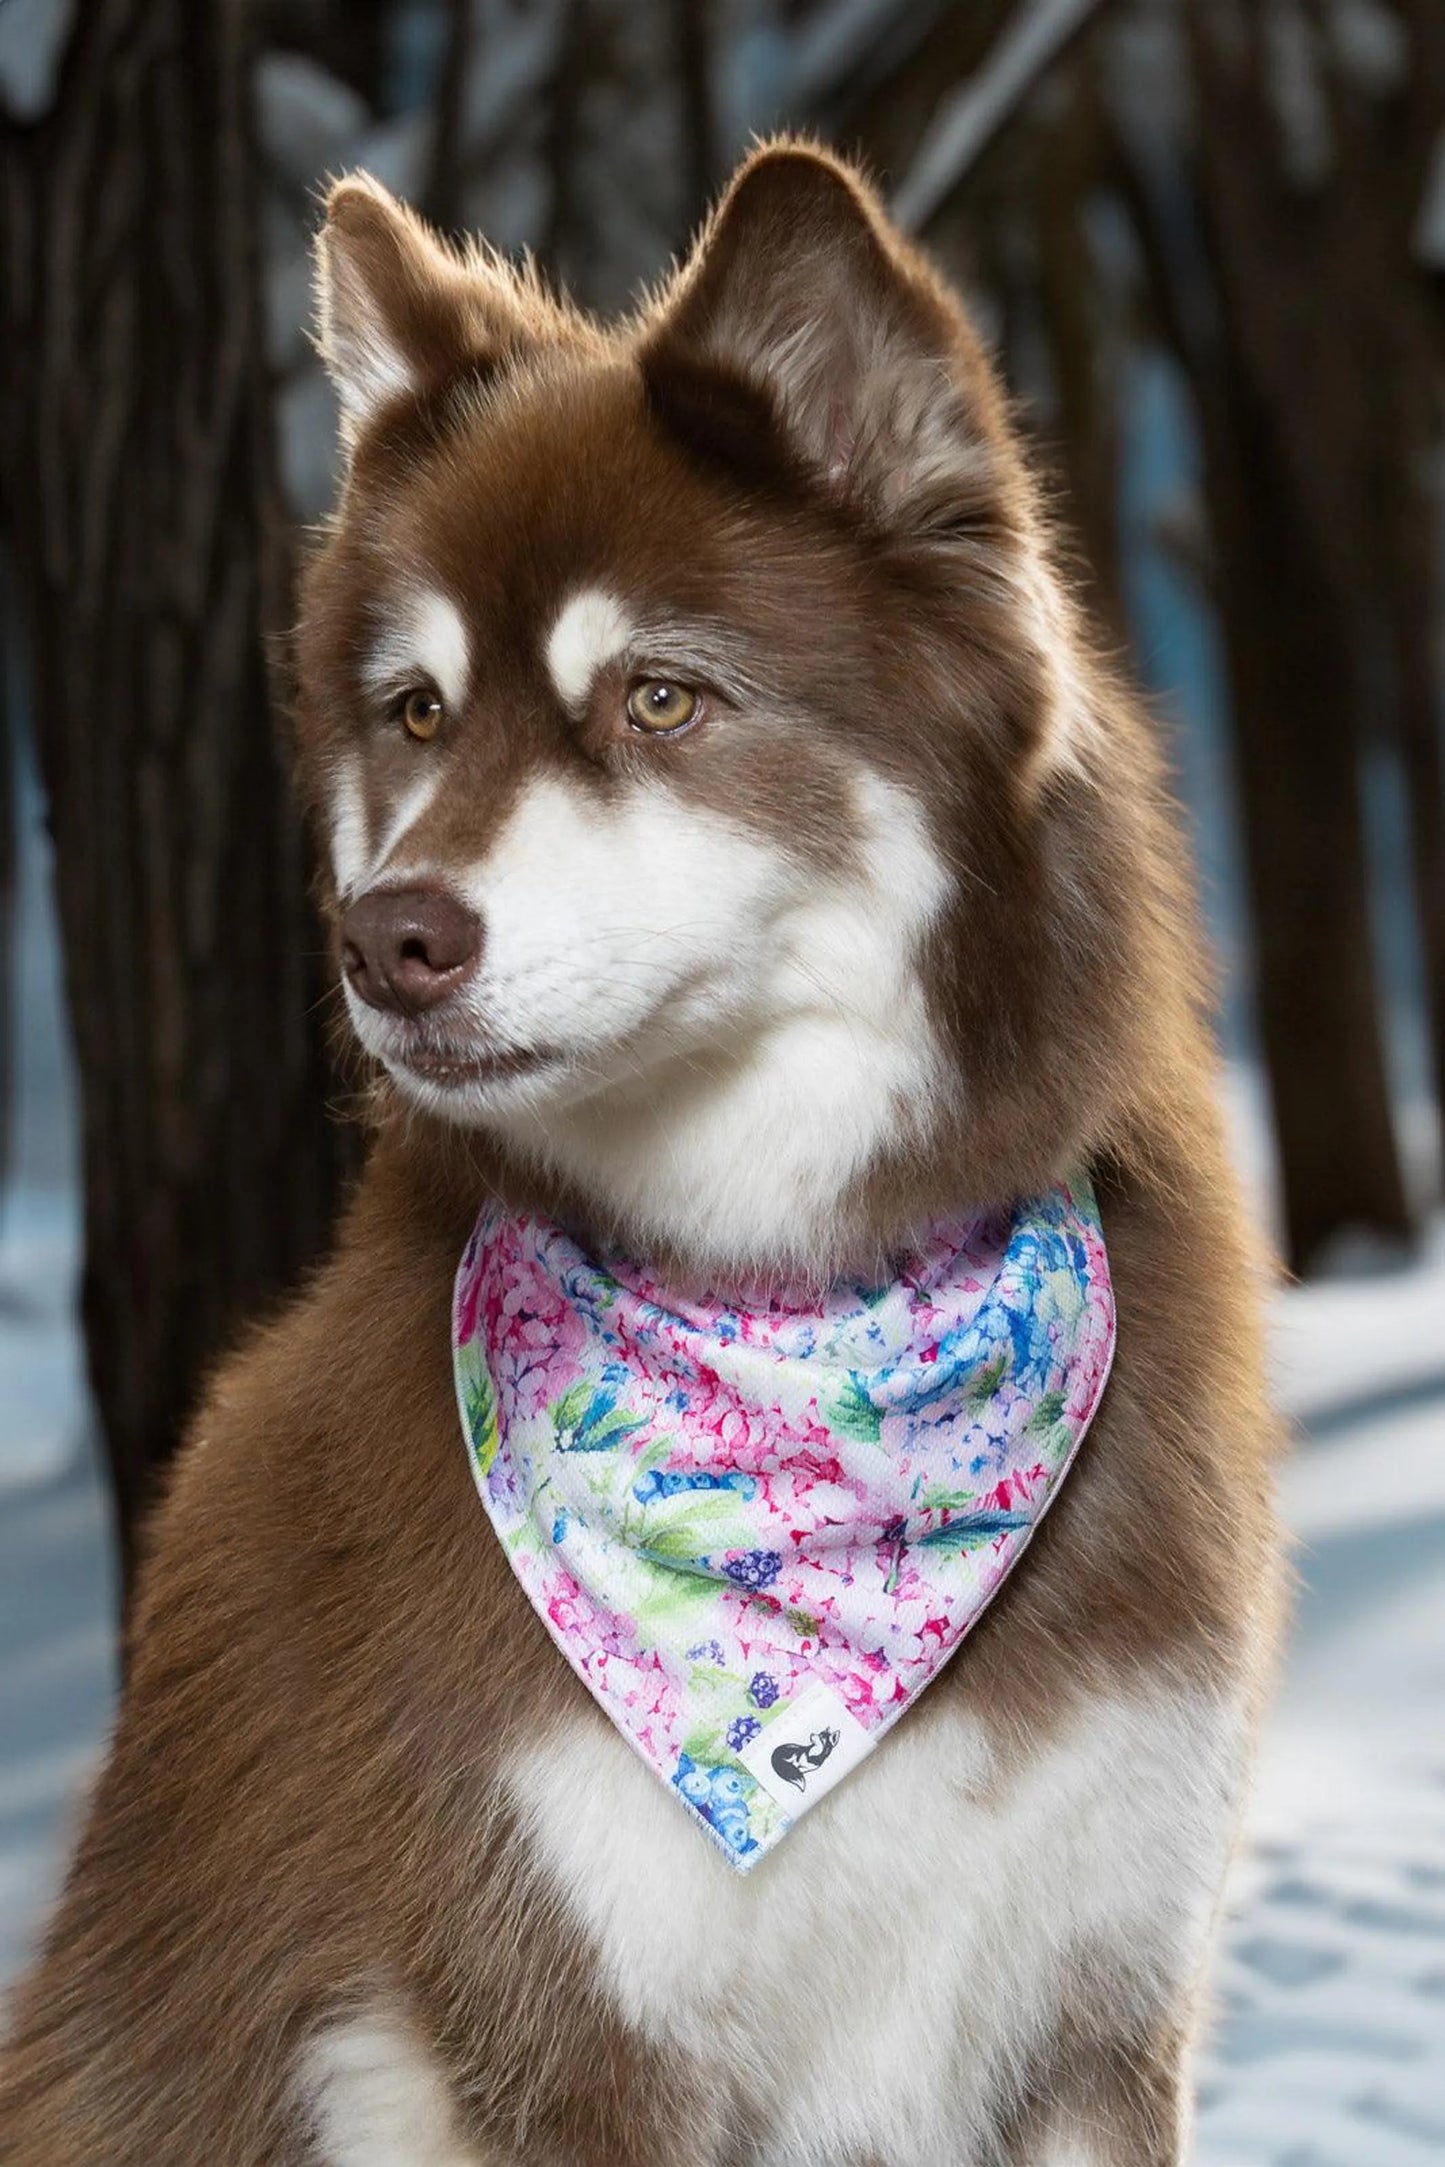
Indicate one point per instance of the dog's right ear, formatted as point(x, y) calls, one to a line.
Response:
point(805, 318)
point(398, 312)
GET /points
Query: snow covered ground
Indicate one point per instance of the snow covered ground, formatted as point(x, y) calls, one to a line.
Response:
point(1329, 2048)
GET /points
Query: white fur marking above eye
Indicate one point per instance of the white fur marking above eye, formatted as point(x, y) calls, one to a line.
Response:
point(375, 2099)
point(425, 642)
point(591, 631)
point(442, 642)
point(349, 828)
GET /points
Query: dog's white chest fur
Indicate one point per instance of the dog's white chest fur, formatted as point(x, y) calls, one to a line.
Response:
point(864, 1991)
point(872, 1990)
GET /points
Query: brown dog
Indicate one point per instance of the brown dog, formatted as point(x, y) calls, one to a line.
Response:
point(739, 851)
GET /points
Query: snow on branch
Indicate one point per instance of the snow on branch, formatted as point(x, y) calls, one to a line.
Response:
point(969, 119)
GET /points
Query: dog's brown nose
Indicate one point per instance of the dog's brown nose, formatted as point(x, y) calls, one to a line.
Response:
point(407, 948)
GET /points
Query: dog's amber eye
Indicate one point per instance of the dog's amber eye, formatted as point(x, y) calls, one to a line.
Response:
point(657, 704)
point(421, 712)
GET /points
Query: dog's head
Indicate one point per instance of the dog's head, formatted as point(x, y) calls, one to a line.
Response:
point(716, 794)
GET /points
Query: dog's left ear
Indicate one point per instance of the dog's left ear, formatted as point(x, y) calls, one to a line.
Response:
point(804, 317)
point(399, 312)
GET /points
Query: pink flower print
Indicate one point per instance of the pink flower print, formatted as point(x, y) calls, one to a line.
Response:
point(469, 1303)
point(908, 1584)
point(816, 1462)
point(568, 1608)
point(1085, 1385)
point(617, 1633)
point(857, 1694)
point(736, 1436)
point(538, 1342)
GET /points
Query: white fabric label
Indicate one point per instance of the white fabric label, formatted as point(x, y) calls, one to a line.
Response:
point(806, 1749)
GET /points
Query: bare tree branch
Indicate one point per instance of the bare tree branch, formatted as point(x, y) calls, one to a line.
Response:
point(970, 119)
point(442, 192)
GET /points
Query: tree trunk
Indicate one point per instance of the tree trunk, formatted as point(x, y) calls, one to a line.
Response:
point(1292, 696)
point(630, 139)
point(143, 528)
point(9, 880)
point(1256, 284)
point(1408, 370)
point(1296, 275)
point(1408, 518)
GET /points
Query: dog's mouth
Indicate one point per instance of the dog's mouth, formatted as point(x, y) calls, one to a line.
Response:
point(436, 1064)
point(451, 1069)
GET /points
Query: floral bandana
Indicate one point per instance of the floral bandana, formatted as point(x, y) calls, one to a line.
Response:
point(757, 1532)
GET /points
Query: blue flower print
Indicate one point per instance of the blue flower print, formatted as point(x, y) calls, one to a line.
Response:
point(707, 1651)
point(692, 1781)
point(671, 1481)
point(731, 1823)
point(741, 1729)
point(720, 1795)
point(762, 1689)
point(753, 1568)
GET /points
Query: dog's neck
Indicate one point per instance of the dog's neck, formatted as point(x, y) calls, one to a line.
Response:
point(752, 1158)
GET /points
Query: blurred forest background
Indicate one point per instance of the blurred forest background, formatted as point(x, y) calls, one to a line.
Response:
point(1207, 238)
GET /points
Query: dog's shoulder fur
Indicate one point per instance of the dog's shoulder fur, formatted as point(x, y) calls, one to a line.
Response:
point(367, 1877)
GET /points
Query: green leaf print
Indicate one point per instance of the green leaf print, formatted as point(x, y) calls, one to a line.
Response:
point(1049, 1411)
point(958, 1536)
point(693, 1525)
point(588, 1419)
point(852, 1414)
point(947, 1500)
point(675, 1598)
point(613, 1426)
point(684, 1543)
point(986, 1381)
point(705, 1743)
point(481, 1406)
point(567, 1409)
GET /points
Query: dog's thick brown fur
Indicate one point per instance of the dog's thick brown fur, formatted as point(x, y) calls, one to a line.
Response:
point(306, 1802)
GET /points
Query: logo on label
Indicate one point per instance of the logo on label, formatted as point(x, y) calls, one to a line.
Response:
point(806, 1749)
point(795, 1763)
